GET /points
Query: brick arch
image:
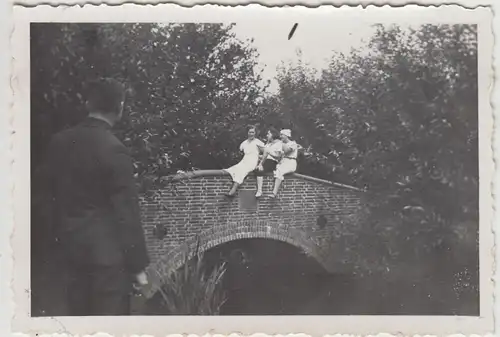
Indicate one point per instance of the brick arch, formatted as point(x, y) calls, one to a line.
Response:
point(220, 234)
point(192, 206)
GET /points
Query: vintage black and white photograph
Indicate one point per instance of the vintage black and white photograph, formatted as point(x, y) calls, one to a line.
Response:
point(300, 165)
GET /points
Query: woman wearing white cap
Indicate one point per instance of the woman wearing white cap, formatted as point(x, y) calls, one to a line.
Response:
point(288, 164)
point(251, 147)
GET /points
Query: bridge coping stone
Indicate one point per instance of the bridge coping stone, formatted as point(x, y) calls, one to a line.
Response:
point(208, 173)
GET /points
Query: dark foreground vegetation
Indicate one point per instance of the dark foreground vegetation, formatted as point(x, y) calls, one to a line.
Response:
point(273, 278)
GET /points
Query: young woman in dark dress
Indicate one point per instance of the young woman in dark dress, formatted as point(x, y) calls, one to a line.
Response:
point(272, 152)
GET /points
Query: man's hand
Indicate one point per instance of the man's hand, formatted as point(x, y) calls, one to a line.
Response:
point(141, 278)
point(260, 167)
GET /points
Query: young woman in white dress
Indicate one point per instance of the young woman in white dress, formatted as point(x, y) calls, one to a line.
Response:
point(251, 148)
point(272, 153)
point(288, 163)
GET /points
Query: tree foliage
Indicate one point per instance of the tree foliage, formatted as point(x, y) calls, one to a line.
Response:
point(193, 88)
point(401, 119)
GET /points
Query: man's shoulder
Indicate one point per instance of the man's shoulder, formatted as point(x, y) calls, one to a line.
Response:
point(95, 137)
point(108, 142)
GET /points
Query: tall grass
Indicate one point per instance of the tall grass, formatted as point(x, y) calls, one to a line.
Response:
point(194, 290)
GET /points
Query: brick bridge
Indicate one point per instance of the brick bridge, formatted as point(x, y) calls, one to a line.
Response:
point(192, 212)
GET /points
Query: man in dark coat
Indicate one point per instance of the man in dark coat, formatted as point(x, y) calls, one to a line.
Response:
point(95, 209)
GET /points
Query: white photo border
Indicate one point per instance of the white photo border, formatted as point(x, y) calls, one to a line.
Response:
point(310, 325)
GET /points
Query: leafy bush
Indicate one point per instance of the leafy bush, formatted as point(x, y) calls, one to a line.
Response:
point(193, 290)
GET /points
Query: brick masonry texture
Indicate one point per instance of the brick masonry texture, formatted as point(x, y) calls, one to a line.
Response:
point(193, 211)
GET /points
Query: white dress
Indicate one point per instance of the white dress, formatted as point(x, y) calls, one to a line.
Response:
point(249, 162)
point(289, 163)
point(274, 149)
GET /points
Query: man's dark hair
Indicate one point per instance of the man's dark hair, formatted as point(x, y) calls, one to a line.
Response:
point(105, 95)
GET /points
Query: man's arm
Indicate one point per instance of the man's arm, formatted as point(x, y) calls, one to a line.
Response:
point(125, 203)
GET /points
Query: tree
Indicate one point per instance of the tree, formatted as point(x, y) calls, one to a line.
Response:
point(192, 89)
point(400, 118)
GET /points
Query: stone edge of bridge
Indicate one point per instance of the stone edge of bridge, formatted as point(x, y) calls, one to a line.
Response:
point(208, 173)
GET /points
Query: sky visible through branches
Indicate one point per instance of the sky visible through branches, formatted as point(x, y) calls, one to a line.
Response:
point(313, 42)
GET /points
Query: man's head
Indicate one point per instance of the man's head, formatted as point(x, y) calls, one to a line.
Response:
point(105, 99)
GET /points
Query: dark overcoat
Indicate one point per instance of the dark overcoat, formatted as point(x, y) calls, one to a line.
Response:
point(93, 199)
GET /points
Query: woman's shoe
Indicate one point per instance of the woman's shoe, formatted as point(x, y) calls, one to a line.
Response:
point(273, 196)
point(229, 195)
point(258, 194)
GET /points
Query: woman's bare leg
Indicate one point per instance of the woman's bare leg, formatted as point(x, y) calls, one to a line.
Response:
point(260, 179)
point(281, 170)
point(260, 182)
point(232, 192)
point(277, 184)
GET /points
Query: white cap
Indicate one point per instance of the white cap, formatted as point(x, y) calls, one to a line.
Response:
point(286, 132)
